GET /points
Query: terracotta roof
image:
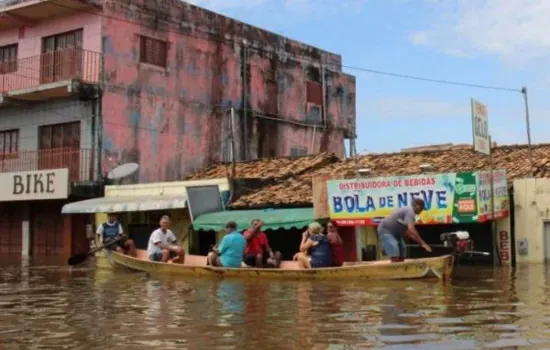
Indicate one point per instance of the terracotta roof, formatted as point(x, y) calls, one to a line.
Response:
point(297, 190)
point(266, 168)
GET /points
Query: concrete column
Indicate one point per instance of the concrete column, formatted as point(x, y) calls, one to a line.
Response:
point(359, 242)
point(26, 239)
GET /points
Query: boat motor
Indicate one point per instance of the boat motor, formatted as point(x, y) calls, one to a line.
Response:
point(460, 243)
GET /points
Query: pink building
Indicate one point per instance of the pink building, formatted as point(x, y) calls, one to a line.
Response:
point(86, 85)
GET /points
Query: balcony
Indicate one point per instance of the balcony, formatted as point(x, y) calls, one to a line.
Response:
point(80, 162)
point(49, 75)
point(17, 13)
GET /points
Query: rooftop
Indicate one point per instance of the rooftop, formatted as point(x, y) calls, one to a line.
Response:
point(267, 168)
point(297, 190)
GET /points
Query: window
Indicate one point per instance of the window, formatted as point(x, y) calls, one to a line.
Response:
point(61, 57)
point(58, 42)
point(314, 93)
point(9, 143)
point(298, 152)
point(57, 136)
point(8, 59)
point(313, 114)
point(152, 51)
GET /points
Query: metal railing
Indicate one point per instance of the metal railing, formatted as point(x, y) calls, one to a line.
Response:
point(80, 162)
point(49, 68)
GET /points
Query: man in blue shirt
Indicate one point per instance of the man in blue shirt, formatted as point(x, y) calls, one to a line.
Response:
point(231, 249)
point(400, 223)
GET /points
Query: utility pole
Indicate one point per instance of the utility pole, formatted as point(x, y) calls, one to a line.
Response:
point(528, 125)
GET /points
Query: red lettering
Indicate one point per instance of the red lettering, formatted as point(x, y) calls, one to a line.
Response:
point(505, 256)
point(503, 235)
point(504, 245)
point(426, 181)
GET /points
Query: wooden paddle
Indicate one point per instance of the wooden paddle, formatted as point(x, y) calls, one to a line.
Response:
point(81, 257)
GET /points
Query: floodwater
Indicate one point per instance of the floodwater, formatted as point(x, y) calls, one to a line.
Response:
point(58, 307)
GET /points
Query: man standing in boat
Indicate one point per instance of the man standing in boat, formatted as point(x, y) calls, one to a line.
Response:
point(162, 245)
point(258, 252)
point(401, 223)
point(112, 230)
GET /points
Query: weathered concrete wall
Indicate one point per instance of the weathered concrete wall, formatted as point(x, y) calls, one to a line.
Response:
point(176, 120)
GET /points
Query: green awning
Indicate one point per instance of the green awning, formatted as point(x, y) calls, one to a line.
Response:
point(273, 219)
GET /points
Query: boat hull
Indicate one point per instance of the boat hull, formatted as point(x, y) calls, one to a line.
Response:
point(438, 267)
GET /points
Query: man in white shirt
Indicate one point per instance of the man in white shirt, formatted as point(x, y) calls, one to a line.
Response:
point(162, 244)
point(112, 230)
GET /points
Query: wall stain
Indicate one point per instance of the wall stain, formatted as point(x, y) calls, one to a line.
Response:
point(176, 120)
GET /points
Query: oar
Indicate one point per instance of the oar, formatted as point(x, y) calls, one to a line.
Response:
point(81, 257)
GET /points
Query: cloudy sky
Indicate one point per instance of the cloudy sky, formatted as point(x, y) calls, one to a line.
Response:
point(503, 43)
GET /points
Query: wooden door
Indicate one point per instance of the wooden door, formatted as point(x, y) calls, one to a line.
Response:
point(11, 229)
point(60, 148)
point(62, 57)
point(47, 229)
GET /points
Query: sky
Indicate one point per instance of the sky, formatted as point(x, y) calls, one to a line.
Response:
point(501, 43)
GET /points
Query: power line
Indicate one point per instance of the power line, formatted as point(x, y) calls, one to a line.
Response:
point(219, 39)
point(438, 81)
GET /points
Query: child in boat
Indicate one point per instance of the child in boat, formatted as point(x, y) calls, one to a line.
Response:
point(318, 247)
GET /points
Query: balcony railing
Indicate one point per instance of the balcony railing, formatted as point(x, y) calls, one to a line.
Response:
point(80, 162)
point(50, 67)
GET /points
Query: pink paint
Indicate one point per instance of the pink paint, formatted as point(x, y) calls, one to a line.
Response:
point(31, 43)
point(175, 121)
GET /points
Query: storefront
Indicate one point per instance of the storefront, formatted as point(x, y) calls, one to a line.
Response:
point(139, 207)
point(454, 201)
point(30, 224)
point(532, 220)
point(283, 228)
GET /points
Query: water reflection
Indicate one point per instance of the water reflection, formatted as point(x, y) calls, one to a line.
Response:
point(83, 308)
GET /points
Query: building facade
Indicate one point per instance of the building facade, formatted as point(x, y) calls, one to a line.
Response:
point(88, 85)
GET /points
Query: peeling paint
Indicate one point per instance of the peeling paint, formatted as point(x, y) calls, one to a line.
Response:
point(176, 120)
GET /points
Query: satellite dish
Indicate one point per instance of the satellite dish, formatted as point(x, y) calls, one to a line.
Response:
point(122, 171)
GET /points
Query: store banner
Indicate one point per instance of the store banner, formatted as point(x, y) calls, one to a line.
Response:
point(449, 198)
point(500, 187)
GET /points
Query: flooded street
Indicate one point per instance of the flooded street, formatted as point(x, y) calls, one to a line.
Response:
point(82, 308)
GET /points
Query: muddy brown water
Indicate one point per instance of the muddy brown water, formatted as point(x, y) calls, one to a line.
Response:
point(51, 306)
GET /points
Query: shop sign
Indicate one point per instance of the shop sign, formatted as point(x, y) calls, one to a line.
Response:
point(500, 186)
point(449, 197)
point(34, 185)
point(480, 127)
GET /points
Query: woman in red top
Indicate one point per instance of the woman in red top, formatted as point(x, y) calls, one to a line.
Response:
point(336, 244)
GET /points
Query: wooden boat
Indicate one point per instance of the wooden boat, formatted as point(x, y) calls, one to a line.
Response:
point(438, 267)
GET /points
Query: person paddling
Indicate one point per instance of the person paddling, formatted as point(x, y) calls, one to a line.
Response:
point(111, 230)
point(401, 223)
